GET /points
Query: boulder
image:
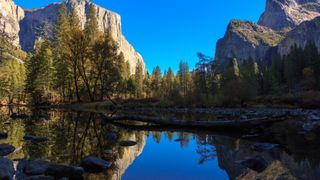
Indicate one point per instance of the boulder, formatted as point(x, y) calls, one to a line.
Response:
point(256, 163)
point(6, 149)
point(35, 167)
point(6, 169)
point(94, 164)
point(128, 143)
point(60, 171)
point(3, 135)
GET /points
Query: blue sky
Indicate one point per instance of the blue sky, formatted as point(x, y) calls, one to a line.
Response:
point(167, 31)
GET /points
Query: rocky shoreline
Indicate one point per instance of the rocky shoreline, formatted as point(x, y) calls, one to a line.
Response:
point(270, 112)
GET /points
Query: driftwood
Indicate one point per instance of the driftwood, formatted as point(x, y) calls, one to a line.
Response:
point(246, 123)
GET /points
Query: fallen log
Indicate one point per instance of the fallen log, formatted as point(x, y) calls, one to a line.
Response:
point(246, 123)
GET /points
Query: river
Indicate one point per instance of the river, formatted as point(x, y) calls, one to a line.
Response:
point(283, 150)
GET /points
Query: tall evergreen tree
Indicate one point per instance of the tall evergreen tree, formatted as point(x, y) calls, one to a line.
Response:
point(139, 80)
point(156, 79)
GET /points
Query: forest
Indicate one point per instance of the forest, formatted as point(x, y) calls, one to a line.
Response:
point(76, 65)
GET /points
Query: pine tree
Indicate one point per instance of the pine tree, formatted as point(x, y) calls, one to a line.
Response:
point(139, 80)
point(40, 75)
point(250, 74)
point(156, 80)
point(168, 83)
point(232, 71)
point(184, 78)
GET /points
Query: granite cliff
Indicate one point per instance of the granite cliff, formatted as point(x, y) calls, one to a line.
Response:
point(283, 24)
point(25, 24)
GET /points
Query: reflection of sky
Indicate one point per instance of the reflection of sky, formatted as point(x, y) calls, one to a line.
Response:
point(168, 160)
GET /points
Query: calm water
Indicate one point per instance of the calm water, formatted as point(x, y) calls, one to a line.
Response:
point(161, 153)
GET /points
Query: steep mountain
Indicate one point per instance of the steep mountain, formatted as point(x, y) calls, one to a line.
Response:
point(11, 16)
point(280, 14)
point(308, 31)
point(25, 23)
point(284, 23)
point(244, 39)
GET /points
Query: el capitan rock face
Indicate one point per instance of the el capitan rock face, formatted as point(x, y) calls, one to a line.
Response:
point(25, 24)
point(11, 16)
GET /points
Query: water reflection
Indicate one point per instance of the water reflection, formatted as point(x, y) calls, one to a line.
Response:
point(160, 153)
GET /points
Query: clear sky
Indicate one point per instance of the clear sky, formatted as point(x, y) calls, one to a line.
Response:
point(167, 31)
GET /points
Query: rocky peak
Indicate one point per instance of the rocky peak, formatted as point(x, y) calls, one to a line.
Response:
point(244, 40)
point(306, 32)
point(280, 14)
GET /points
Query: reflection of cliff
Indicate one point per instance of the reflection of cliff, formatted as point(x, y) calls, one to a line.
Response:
point(129, 154)
point(281, 165)
point(124, 157)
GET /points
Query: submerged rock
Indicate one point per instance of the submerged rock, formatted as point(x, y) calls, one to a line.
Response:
point(94, 164)
point(60, 171)
point(32, 138)
point(6, 169)
point(128, 143)
point(35, 167)
point(107, 152)
point(256, 163)
point(6, 149)
point(3, 135)
point(261, 147)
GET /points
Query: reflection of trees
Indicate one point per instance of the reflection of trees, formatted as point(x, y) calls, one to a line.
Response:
point(157, 136)
point(206, 149)
point(72, 136)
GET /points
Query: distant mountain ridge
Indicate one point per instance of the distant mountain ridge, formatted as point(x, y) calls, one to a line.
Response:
point(25, 24)
point(283, 24)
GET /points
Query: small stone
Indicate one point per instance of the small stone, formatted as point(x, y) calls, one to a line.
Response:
point(256, 163)
point(243, 117)
point(128, 143)
point(6, 169)
point(94, 164)
point(6, 149)
point(108, 151)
